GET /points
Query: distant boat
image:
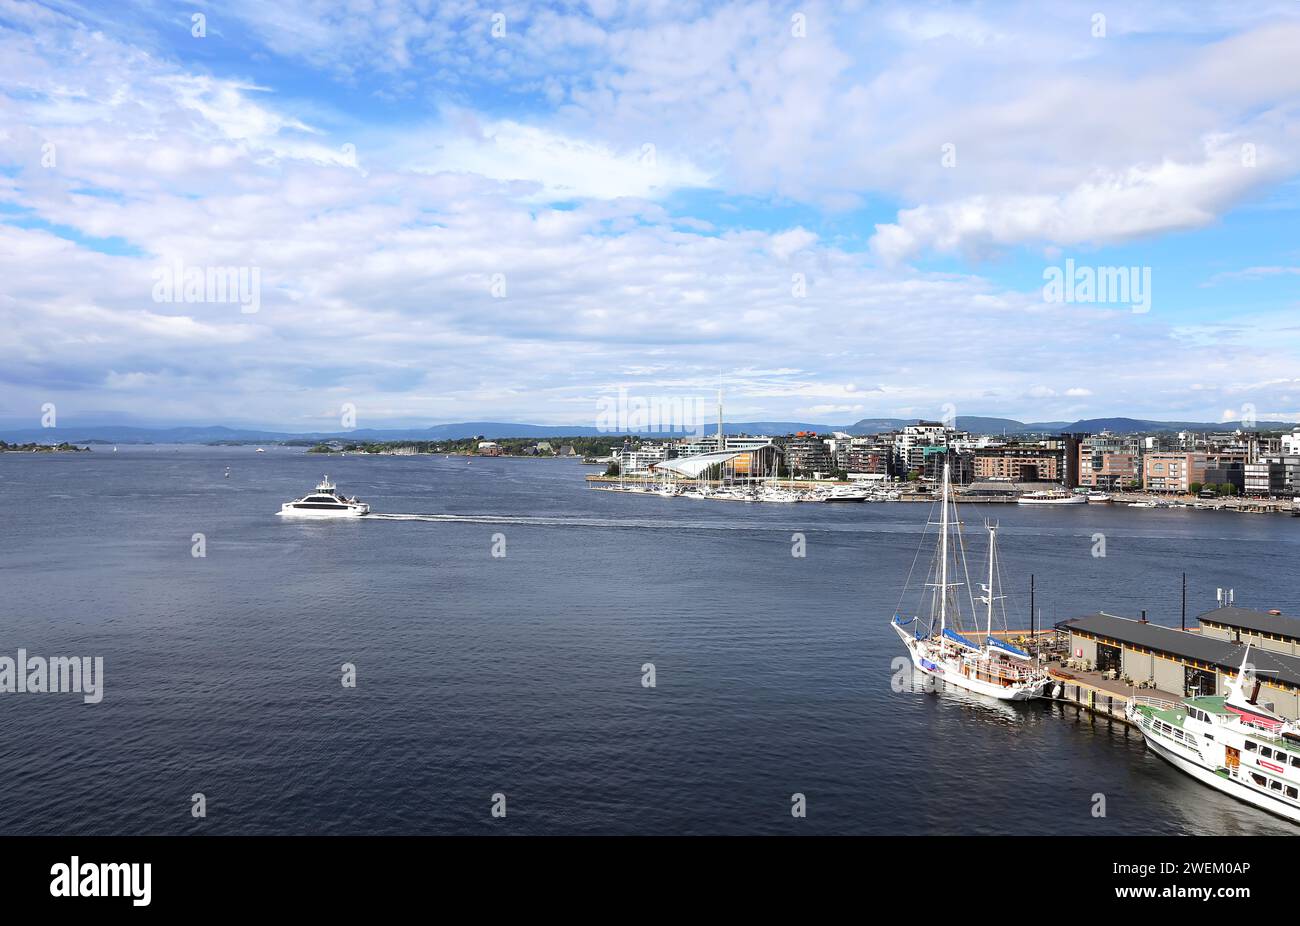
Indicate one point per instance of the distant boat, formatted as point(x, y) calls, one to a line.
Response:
point(1052, 498)
point(260, 450)
point(1102, 497)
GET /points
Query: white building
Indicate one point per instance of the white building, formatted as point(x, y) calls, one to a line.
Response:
point(639, 460)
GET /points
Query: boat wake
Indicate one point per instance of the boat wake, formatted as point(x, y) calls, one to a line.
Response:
point(638, 523)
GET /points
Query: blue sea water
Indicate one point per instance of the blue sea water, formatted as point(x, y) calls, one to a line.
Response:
point(522, 675)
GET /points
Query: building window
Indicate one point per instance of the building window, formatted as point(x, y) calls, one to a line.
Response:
point(1197, 682)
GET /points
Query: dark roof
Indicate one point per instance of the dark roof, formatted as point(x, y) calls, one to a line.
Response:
point(1262, 621)
point(1225, 654)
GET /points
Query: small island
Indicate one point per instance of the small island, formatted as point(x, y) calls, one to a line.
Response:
point(33, 447)
point(562, 447)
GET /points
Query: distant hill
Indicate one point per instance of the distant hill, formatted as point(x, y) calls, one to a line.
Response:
point(976, 424)
point(131, 434)
point(1138, 425)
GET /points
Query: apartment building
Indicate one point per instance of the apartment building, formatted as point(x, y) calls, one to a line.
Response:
point(1020, 463)
point(1167, 471)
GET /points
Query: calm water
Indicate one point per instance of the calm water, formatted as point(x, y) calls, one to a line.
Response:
point(522, 674)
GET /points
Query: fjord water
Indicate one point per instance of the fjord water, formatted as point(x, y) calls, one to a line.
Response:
point(522, 674)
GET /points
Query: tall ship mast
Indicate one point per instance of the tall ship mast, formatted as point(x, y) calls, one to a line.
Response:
point(939, 644)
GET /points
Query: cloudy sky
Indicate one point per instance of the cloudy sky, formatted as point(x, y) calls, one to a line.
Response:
point(509, 211)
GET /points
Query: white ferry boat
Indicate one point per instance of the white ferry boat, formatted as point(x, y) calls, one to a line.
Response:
point(1233, 743)
point(325, 502)
point(994, 667)
point(1052, 498)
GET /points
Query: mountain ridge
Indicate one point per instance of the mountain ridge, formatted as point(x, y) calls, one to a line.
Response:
point(193, 434)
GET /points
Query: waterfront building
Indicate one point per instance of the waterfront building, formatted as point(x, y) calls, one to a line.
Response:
point(1233, 474)
point(806, 453)
point(1108, 470)
point(1110, 461)
point(708, 443)
point(872, 456)
point(961, 465)
point(1020, 463)
point(1180, 662)
point(1167, 471)
point(489, 448)
point(639, 460)
point(1270, 630)
point(1289, 444)
point(910, 443)
point(1273, 477)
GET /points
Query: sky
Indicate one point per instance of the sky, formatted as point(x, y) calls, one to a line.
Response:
point(514, 211)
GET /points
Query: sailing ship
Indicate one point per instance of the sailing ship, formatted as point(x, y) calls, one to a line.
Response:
point(1232, 743)
point(938, 646)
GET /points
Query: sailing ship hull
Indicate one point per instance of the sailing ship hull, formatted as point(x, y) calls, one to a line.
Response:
point(936, 666)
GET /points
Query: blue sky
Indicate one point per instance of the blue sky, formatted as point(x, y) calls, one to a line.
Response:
point(846, 208)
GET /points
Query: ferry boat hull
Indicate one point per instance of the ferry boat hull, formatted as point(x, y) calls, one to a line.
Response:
point(359, 511)
point(1233, 744)
point(1236, 789)
point(1052, 500)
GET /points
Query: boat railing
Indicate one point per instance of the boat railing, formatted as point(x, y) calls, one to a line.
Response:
point(1271, 733)
point(1160, 704)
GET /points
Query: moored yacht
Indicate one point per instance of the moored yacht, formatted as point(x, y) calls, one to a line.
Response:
point(325, 502)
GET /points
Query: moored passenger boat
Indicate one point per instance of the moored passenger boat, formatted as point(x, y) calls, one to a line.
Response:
point(1232, 743)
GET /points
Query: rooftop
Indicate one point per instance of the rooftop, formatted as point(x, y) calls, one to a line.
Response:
point(1225, 654)
point(1280, 624)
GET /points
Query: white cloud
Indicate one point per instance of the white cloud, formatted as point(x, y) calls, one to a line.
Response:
point(377, 278)
point(1107, 208)
point(561, 167)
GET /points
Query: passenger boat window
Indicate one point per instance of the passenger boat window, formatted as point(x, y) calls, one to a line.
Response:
point(1250, 747)
point(1292, 793)
point(1266, 752)
point(1295, 760)
point(1275, 785)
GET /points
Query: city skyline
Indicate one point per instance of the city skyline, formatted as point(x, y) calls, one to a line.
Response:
point(851, 212)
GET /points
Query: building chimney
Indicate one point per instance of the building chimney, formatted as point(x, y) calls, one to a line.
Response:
point(1144, 615)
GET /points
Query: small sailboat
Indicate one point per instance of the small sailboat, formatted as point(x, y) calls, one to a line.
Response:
point(938, 646)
